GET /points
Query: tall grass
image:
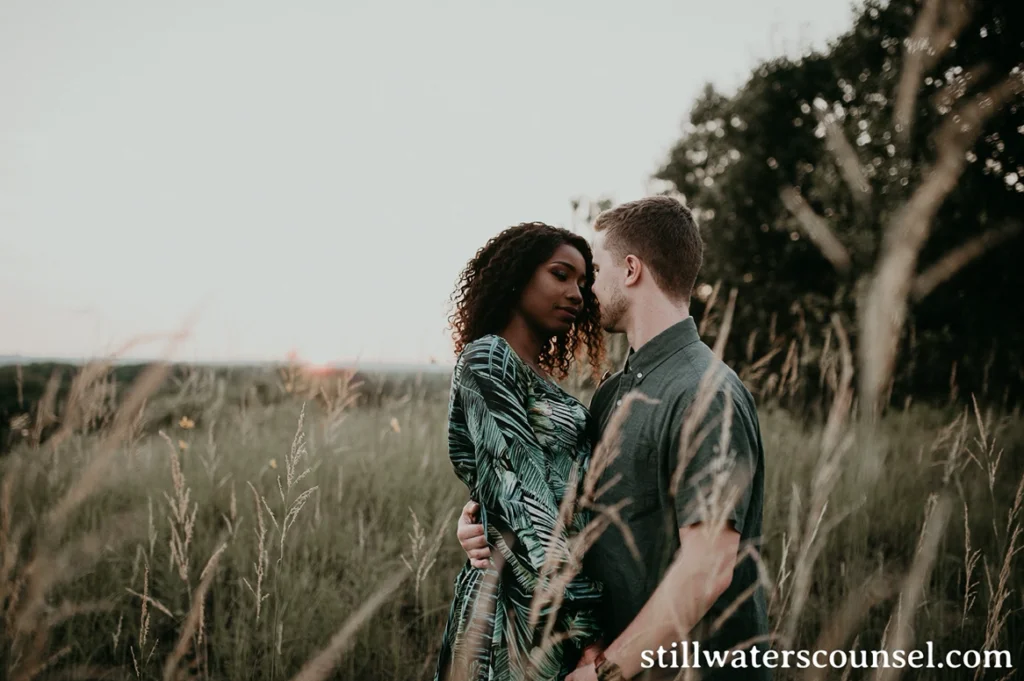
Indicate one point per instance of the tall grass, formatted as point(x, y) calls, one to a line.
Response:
point(302, 540)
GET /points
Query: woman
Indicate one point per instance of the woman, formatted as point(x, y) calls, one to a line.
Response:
point(520, 444)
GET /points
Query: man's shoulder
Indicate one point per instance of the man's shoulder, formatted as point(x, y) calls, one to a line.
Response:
point(705, 371)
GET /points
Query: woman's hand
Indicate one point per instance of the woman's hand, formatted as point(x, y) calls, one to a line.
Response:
point(471, 536)
point(590, 654)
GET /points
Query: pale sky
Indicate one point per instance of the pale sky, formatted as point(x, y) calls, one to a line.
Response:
point(312, 176)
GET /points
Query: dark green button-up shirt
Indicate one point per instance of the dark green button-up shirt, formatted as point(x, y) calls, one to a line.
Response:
point(680, 436)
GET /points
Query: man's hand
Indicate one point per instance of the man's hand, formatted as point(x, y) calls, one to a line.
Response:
point(471, 536)
point(585, 673)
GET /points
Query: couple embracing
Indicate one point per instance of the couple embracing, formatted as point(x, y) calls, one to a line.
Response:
point(671, 581)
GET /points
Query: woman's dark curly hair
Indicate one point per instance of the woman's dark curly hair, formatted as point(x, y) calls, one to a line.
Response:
point(489, 288)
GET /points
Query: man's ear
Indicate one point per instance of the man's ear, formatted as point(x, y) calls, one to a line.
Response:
point(633, 268)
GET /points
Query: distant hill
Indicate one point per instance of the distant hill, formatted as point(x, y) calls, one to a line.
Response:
point(368, 367)
point(24, 381)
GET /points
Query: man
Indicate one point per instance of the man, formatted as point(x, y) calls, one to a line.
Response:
point(680, 579)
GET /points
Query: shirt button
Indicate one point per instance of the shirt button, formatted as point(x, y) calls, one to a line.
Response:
point(639, 374)
point(618, 402)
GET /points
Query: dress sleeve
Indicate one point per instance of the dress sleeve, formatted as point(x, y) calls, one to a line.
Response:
point(511, 482)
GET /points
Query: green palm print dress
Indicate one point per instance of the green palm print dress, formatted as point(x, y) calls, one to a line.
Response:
point(517, 441)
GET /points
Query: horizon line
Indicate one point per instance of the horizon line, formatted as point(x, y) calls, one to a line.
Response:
point(18, 358)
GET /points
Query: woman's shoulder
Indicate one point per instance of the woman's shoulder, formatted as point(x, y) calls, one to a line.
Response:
point(488, 350)
point(493, 356)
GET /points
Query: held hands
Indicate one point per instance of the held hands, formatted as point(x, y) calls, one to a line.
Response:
point(590, 654)
point(584, 673)
point(585, 667)
point(471, 536)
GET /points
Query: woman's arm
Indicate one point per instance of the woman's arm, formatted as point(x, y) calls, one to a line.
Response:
point(512, 486)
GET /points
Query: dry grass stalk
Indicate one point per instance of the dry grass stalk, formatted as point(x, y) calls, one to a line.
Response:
point(827, 470)
point(117, 632)
point(69, 609)
point(915, 583)
point(29, 620)
point(709, 307)
point(19, 384)
point(337, 402)
point(606, 451)
point(753, 373)
point(480, 627)
point(144, 607)
point(561, 565)
point(725, 485)
point(843, 622)
point(563, 560)
point(48, 570)
point(763, 582)
point(46, 409)
point(87, 482)
point(193, 620)
point(10, 541)
point(789, 377)
point(290, 510)
point(181, 521)
point(146, 598)
point(321, 665)
point(998, 614)
point(690, 437)
point(723, 332)
point(423, 554)
point(971, 557)
point(262, 555)
point(843, 400)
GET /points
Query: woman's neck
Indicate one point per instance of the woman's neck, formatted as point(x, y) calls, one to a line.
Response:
point(526, 341)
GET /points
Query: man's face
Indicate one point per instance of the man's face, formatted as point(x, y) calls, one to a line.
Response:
point(608, 288)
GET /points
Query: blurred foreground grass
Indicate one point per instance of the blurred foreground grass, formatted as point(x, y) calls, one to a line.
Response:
point(310, 502)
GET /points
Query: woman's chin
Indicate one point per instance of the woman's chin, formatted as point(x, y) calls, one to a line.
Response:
point(560, 328)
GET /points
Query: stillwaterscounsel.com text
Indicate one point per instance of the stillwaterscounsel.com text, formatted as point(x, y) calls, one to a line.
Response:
point(687, 654)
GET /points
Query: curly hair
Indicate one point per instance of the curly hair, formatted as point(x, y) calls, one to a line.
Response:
point(489, 287)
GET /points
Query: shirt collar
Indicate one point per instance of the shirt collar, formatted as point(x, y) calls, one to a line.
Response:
point(658, 349)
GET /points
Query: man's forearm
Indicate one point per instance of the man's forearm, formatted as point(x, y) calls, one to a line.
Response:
point(689, 588)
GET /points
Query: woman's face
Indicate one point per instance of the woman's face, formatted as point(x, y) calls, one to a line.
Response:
point(553, 298)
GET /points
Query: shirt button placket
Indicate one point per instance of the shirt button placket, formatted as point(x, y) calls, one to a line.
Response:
point(624, 388)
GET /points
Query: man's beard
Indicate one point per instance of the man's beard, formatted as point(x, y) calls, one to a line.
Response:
point(612, 313)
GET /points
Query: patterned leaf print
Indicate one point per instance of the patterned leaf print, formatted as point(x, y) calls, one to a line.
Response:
point(515, 440)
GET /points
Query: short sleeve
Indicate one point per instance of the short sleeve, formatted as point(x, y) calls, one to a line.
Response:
point(713, 452)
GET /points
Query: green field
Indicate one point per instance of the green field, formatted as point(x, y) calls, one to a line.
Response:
point(309, 504)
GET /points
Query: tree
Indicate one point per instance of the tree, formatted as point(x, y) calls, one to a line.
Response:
point(863, 178)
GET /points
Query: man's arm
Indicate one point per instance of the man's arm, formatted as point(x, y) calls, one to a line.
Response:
point(701, 572)
point(711, 499)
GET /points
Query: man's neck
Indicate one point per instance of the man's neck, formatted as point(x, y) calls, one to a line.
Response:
point(651, 319)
